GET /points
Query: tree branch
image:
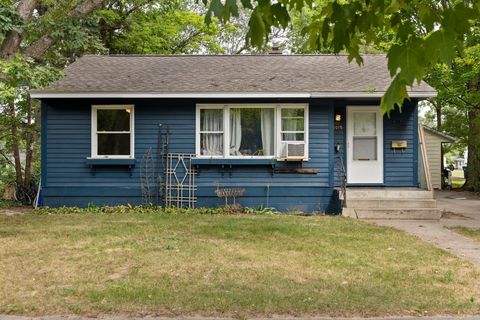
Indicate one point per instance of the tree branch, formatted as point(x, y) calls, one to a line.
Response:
point(183, 43)
point(468, 103)
point(2, 153)
point(37, 49)
point(11, 43)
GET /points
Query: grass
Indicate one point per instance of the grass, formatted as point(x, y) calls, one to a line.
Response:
point(229, 265)
point(9, 203)
point(468, 232)
point(457, 179)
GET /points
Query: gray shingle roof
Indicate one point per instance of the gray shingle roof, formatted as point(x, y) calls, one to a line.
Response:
point(313, 74)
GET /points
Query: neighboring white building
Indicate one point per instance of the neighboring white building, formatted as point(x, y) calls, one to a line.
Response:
point(459, 163)
point(434, 141)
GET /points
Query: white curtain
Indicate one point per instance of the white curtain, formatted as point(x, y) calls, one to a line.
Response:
point(212, 142)
point(235, 131)
point(268, 116)
point(289, 125)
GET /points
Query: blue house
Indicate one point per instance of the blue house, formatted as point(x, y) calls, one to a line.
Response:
point(282, 131)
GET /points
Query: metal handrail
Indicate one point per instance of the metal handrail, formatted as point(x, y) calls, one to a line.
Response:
point(343, 178)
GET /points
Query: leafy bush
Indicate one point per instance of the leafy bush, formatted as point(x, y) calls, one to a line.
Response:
point(9, 203)
point(150, 209)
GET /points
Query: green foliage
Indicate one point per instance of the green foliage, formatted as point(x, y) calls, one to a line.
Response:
point(8, 18)
point(9, 203)
point(19, 75)
point(114, 26)
point(72, 36)
point(172, 32)
point(458, 86)
point(458, 92)
point(150, 209)
point(423, 32)
point(22, 73)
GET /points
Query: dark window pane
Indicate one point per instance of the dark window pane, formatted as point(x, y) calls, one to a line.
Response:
point(113, 120)
point(113, 144)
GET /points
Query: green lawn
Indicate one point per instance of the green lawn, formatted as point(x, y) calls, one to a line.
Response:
point(230, 265)
point(468, 232)
point(457, 179)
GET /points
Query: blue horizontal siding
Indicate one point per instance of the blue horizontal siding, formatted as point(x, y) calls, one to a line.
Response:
point(308, 199)
point(68, 180)
point(400, 167)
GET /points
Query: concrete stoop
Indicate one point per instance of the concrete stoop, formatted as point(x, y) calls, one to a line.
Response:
point(398, 203)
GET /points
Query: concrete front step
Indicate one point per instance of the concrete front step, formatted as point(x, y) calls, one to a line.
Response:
point(393, 193)
point(391, 203)
point(403, 213)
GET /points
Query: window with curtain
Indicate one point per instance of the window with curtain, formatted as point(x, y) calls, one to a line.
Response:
point(293, 124)
point(211, 132)
point(248, 130)
point(112, 128)
point(252, 131)
point(292, 131)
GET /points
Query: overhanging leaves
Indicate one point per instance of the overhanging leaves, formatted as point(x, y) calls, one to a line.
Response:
point(423, 32)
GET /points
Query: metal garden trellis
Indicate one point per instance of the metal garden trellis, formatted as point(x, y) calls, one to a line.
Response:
point(180, 181)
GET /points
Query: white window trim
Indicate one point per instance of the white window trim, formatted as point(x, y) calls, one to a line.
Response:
point(226, 128)
point(279, 131)
point(94, 137)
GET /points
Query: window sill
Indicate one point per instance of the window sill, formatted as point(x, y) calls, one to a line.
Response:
point(93, 163)
point(293, 159)
point(110, 162)
point(228, 164)
point(232, 162)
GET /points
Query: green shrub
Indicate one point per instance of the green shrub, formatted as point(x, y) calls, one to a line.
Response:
point(9, 203)
point(150, 209)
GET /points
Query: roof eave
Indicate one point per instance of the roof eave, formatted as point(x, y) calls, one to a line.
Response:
point(37, 94)
point(448, 138)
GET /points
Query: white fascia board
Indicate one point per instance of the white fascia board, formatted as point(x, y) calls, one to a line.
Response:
point(44, 95)
point(191, 95)
point(376, 94)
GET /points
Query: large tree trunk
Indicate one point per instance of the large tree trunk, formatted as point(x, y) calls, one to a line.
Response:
point(438, 110)
point(36, 132)
point(473, 180)
point(28, 144)
point(15, 146)
point(11, 43)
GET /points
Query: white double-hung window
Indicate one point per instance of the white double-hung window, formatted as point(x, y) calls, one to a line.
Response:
point(292, 132)
point(252, 131)
point(112, 131)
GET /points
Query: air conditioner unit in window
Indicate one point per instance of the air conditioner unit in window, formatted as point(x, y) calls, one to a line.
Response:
point(295, 150)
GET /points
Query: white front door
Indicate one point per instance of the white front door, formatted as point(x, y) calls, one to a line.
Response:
point(364, 145)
